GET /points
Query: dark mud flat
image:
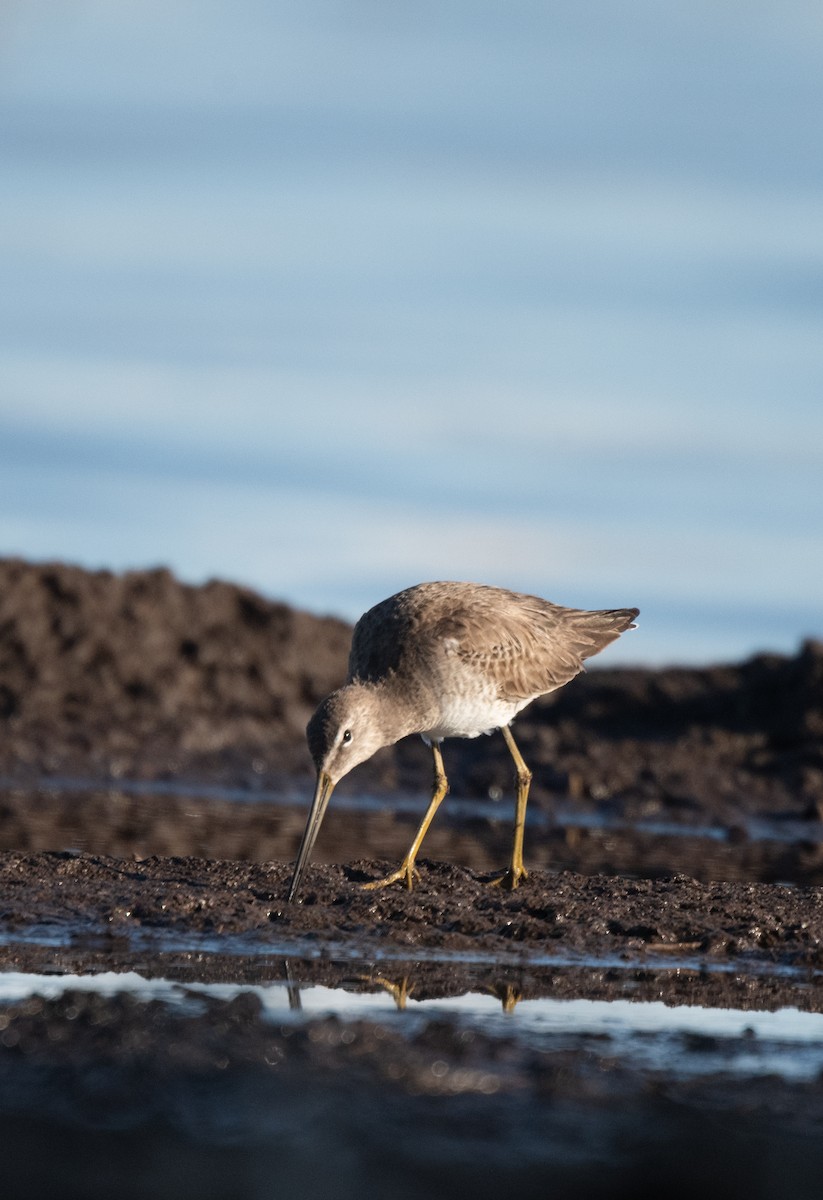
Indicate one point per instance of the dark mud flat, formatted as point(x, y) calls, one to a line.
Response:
point(453, 910)
point(107, 1094)
point(211, 1097)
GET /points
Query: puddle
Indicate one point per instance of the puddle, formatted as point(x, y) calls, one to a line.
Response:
point(154, 943)
point(683, 1041)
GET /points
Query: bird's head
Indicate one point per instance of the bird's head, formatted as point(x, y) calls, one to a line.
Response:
point(345, 730)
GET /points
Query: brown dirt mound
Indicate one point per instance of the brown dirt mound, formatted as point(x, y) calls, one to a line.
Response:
point(140, 674)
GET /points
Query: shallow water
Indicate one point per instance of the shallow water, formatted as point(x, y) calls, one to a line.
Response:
point(678, 1040)
point(778, 828)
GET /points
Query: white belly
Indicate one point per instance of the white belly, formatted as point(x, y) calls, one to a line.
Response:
point(471, 712)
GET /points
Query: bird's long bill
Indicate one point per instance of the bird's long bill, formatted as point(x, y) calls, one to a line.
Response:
point(322, 792)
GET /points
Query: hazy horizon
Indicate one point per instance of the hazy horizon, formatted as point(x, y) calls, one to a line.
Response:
point(328, 301)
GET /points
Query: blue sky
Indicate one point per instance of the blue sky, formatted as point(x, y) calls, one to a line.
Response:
point(329, 299)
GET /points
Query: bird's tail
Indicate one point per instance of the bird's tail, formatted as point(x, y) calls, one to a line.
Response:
point(619, 619)
point(597, 629)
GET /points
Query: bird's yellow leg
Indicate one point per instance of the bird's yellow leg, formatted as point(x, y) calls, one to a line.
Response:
point(406, 872)
point(399, 992)
point(512, 876)
point(508, 995)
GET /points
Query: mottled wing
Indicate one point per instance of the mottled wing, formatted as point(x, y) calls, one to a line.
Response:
point(528, 646)
point(524, 645)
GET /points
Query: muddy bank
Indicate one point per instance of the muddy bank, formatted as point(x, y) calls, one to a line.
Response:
point(209, 1096)
point(139, 675)
point(452, 909)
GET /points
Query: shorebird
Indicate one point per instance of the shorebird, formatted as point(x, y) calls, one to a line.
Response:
point(447, 660)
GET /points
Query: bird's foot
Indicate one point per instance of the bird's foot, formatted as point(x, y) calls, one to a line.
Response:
point(510, 878)
point(405, 873)
point(399, 992)
point(508, 995)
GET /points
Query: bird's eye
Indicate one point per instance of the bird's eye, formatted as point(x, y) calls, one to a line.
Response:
point(346, 737)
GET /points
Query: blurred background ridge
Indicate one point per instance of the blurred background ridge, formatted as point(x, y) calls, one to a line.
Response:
point(331, 299)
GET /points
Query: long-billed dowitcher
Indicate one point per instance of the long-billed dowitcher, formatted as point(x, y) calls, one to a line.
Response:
point(447, 660)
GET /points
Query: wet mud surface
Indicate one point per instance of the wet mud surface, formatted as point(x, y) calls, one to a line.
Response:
point(155, 785)
point(213, 1095)
point(451, 910)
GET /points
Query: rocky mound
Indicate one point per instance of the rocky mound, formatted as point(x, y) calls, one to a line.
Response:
point(138, 673)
